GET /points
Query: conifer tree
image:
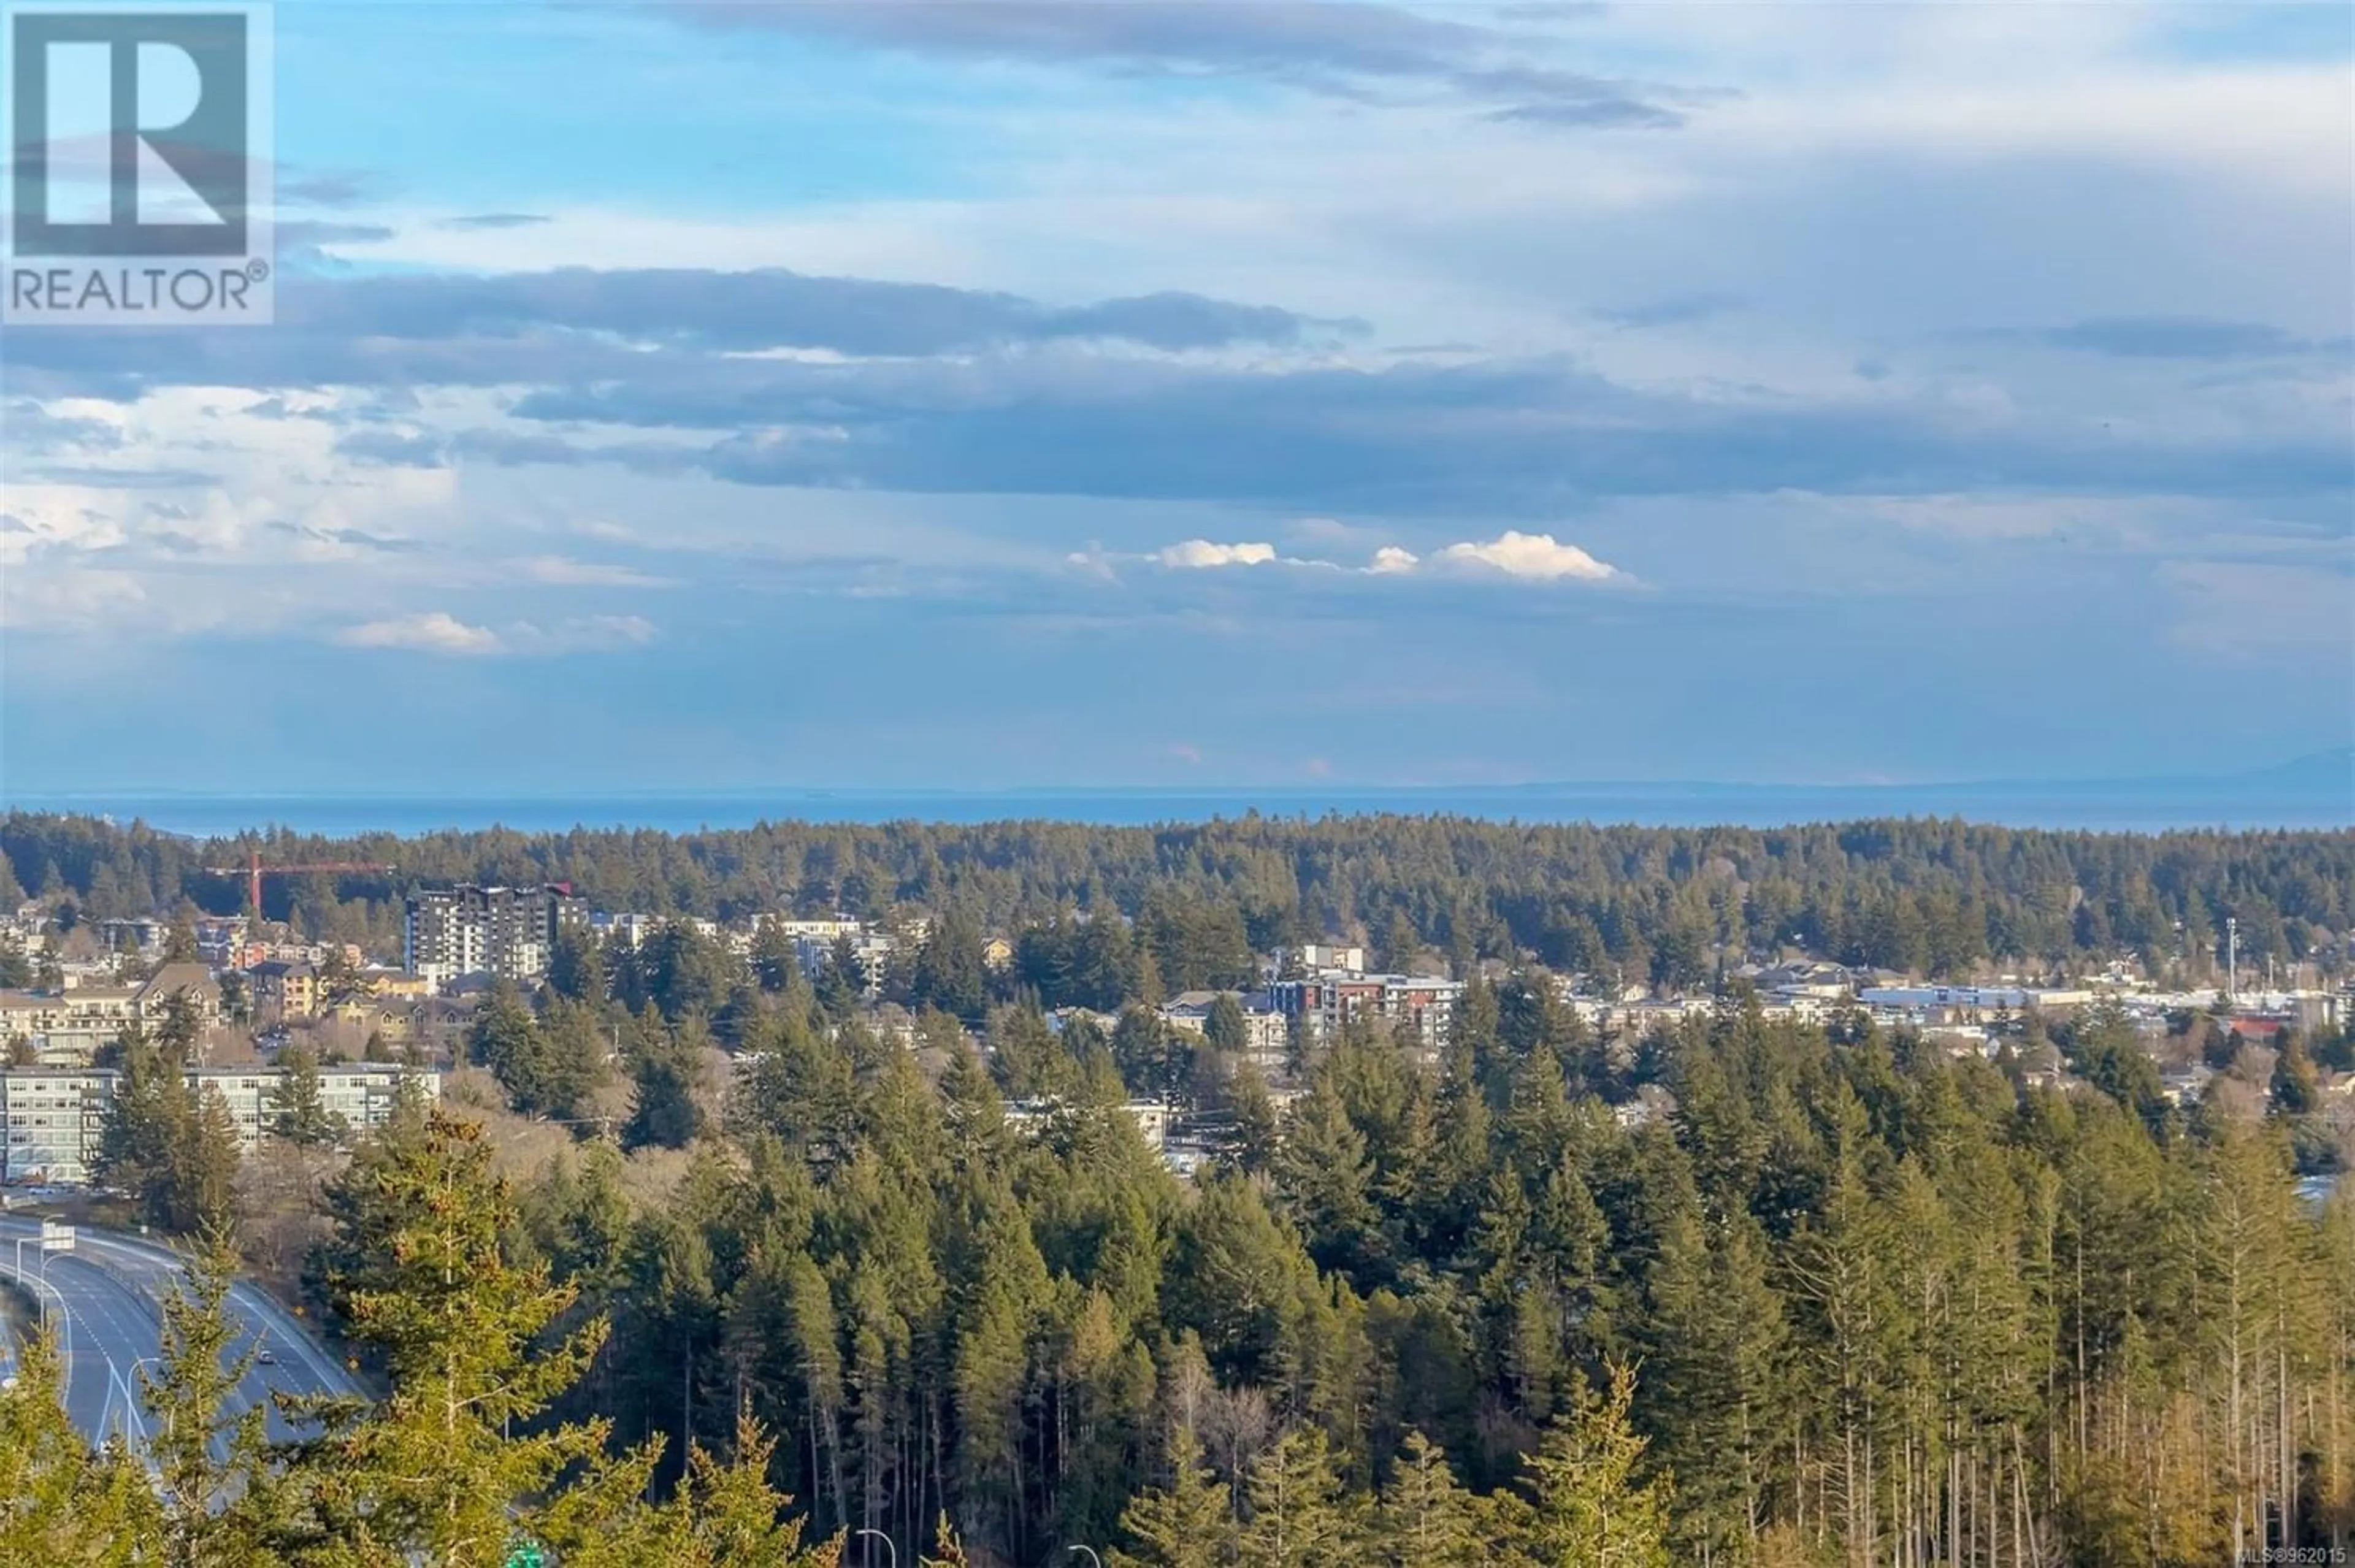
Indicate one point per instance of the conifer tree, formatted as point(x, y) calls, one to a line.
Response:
point(842, 981)
point(506, 1040)
point(1184, 1525)
point(1588, 1506)
point(212, 1476)
point(1427, 1518)
point(1226, 1028)
point(1712, 1379)
point(299, 1114)
point(665, 1112)
point(1327, 1179)
point(142, 1125)
point(199, 1195)
point(60, 1501)
point(948, 1550)
point(576, 966)
point(572, 1064)
point(724, 1514)
point(456, 1459)
point(1258, 1127)
point(1300, 1514)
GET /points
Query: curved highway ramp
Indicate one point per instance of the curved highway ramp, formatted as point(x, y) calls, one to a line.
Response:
point(105, 1294)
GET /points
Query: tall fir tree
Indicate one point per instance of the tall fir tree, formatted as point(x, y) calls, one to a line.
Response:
point(1302, 1515)
point(218, 1491)
point(61, 1500)
point(1187, 1524)
point(457, 1461)
point(298, 1108)
point(1427, 1518)
point(1589, 1504)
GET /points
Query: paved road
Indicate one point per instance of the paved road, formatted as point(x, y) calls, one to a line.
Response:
point(107, 1292)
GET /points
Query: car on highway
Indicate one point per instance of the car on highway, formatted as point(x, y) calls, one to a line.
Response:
point(265, 1356)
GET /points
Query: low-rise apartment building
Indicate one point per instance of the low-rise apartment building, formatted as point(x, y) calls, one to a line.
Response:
point(872, 949)
point(65, 1028)
point(53, 1117)
point(1267, 1033)
point(1417, 1008)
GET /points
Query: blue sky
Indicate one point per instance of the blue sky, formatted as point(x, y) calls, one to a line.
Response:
point(990, 393)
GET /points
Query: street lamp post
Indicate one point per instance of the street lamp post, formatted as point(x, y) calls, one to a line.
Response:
point(132, 1377)
point(65, 1343)
point(892, 1551)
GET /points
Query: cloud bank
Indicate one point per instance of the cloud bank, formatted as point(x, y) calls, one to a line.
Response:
point(1530, 558)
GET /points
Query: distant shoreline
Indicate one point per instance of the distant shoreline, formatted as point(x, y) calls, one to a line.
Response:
point(2303, 802)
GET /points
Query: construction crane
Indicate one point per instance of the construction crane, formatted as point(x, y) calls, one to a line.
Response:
point(253, 870)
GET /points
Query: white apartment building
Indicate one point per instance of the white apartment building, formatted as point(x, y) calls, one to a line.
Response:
point(53, 1117)
point(813, 930)
point(873, 950)
point(630, 930)
point(1036, 1117)
point(1267, 1033)
point(1961, 999)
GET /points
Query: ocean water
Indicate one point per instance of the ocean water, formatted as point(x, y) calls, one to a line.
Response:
point(2308, 799)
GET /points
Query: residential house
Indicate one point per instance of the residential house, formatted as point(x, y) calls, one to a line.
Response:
point(285, 992)
point(391, 1019)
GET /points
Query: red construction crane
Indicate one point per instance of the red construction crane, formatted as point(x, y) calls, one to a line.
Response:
point(254, 870)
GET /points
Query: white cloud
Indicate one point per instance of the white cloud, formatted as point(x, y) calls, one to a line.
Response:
point(564, 572)
point(436, 632)
point(1535, 558)
point(1201, 553)
point(1540, 558)
point(439, 632)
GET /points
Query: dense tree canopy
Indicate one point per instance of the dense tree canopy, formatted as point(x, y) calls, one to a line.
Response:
point(1657, 904)
point(1814, 1296)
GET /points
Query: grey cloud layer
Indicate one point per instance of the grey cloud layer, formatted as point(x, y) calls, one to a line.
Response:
point(992, 393)
point(1509, 435)
point(773, 308)
point(1338, 48)
point(2185, 337)
point(473, 330)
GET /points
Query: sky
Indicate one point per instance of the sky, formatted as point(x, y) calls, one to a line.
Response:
point(988, 393)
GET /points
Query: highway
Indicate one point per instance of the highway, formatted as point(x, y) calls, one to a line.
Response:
point(107, 1291)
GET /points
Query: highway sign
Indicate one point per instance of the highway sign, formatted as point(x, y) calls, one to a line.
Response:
point(56, 1238)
